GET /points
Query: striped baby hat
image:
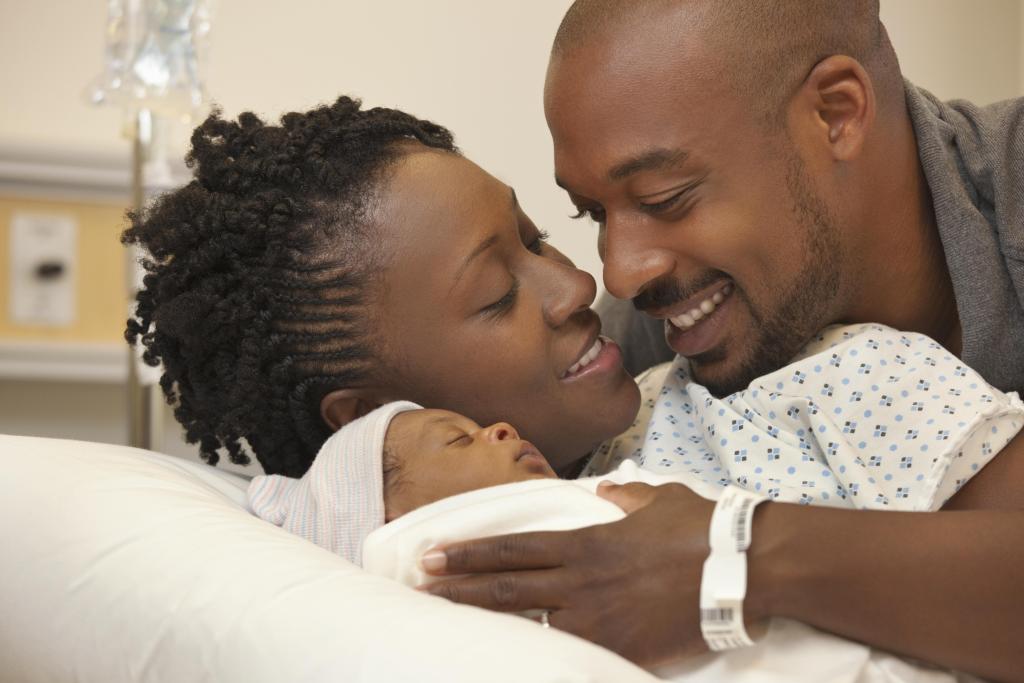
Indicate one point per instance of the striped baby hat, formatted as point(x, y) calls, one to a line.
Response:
point(340, 499)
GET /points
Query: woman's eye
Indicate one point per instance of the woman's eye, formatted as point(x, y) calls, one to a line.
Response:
point(503, 304)
point(595, 214)
point(537, 245)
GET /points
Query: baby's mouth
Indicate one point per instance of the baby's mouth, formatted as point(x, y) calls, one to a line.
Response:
point(532, 459)
point(528, 449)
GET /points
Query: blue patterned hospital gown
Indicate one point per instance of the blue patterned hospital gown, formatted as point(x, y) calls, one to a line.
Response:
point(865, 417)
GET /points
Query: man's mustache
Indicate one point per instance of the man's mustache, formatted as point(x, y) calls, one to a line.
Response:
point(665, 293)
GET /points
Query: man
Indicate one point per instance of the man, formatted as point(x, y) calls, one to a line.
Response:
point(759, 170)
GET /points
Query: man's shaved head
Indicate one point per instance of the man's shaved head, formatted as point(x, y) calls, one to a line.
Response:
point(765, 47)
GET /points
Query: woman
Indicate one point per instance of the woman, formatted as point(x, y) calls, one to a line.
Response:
point(314, 270)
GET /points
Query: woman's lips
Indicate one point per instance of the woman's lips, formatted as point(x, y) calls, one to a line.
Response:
point(603, 355)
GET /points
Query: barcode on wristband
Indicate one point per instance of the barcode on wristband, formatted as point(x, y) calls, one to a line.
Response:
point(740, 525)
point(721, 615)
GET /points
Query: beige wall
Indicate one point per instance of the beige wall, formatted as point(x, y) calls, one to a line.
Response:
point(969, 49)
point(475, 65)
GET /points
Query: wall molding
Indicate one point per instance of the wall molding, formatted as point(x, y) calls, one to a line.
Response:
point(106, 177)
point(64, 361)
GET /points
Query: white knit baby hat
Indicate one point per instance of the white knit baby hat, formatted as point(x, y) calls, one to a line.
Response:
point(340, 499)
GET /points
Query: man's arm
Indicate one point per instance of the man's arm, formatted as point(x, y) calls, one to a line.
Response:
point(946, 587)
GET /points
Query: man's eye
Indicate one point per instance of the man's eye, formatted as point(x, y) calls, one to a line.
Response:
point(681, 198)
point(595, 214)
point(662, 205)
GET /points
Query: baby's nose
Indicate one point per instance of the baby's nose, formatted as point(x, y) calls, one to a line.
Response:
point(500, 431)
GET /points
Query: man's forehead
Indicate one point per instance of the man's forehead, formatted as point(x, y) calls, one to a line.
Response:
point(630, 114)
point(594, 143)
point(628, 91)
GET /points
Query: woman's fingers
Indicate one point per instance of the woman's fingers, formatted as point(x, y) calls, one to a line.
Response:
point(540, 550)
point(506, 592)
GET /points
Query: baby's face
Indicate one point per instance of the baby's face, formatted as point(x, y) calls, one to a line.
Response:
point(437, 454)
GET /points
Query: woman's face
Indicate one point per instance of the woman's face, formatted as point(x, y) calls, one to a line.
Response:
point(479, 316)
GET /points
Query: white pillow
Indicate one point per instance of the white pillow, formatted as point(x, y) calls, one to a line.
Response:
point(125, 565)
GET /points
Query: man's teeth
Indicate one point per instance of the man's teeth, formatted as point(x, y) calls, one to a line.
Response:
point(587, 358)
point(687, 320)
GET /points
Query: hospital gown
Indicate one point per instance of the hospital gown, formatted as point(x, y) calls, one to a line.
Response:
point(865, 417)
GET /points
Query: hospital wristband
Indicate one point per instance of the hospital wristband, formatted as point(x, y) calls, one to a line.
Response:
point(723, 583)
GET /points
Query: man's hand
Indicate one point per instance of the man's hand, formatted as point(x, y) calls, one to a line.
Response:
point(632, 586)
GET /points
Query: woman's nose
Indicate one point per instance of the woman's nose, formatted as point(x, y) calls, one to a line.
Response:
point(500, 431)
point(572, 290)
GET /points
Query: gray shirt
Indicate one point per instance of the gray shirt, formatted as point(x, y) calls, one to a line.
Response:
point(973, 161)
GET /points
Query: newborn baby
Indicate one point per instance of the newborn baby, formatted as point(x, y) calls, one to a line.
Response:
point(386, 464)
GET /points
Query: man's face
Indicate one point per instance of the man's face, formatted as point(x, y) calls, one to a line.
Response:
point(706, 218)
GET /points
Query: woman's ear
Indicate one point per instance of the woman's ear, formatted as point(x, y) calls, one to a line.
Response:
point(341, 406)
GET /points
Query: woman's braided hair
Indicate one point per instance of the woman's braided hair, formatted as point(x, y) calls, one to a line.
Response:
point(256, 292)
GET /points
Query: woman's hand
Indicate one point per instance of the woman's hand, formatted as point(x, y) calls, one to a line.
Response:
point(632, 586)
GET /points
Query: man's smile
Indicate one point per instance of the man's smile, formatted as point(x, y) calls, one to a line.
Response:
point(701, 328)
point(698, 307)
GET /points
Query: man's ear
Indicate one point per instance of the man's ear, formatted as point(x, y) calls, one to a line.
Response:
point(341, 406)
point(841, 96)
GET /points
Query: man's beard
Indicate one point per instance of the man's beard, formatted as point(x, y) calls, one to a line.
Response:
point(803, 310)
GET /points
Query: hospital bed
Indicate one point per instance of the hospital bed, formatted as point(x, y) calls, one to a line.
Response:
point(125, 565)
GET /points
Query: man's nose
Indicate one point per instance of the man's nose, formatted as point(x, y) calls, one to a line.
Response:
point(631, 262)
point(500, 431)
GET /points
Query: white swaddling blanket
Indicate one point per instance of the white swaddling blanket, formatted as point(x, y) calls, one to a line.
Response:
point(788, 653)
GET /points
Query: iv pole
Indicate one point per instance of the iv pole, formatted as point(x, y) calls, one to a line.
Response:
point(142, 398)
point(151, 70)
